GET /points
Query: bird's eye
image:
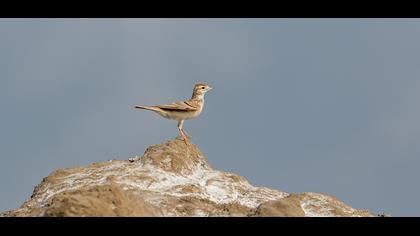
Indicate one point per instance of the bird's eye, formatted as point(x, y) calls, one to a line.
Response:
point(203, 87)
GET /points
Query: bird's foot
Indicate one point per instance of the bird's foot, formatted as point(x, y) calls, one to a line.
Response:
point(185, 137)
point(186, 140)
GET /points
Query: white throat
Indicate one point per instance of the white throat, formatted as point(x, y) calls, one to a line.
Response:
point(200, 96)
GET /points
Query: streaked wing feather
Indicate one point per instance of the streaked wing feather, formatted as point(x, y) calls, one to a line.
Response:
point(180, 106)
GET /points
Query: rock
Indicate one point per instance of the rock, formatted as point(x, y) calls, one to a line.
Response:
point(308, 204)
point(105, 200)
point(170, 179)
point(288, 206)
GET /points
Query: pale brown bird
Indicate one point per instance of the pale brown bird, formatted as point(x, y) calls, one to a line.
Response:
point(183, 110)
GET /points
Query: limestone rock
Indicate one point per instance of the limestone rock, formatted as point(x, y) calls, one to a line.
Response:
point(170, 179)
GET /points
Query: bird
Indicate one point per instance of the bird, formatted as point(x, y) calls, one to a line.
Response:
point(182, 110)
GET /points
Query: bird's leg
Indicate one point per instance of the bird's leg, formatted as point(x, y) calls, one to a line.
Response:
point(181, 131)
point(186, 134)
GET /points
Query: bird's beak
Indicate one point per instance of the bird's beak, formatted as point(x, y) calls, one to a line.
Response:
point(210, 88)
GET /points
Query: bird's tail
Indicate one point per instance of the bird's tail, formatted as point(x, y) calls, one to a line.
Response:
point(147, 108)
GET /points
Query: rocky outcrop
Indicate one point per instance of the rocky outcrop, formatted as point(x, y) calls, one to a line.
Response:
point(170, 179)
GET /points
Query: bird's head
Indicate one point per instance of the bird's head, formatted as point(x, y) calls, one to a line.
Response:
point(200, 89)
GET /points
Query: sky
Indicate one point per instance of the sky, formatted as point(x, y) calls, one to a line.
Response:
point(299, 105)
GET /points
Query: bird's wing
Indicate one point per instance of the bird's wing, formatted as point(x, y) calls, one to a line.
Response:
point(179, 106)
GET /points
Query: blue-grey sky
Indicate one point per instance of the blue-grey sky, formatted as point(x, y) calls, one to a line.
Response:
point(321, 105)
